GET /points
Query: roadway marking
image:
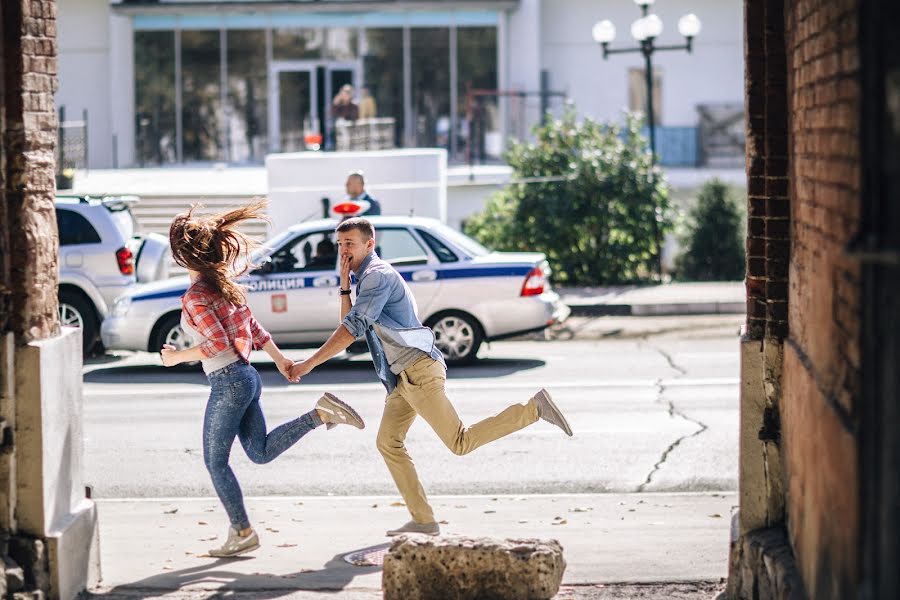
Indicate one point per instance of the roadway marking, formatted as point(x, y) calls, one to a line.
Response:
point(127, 390)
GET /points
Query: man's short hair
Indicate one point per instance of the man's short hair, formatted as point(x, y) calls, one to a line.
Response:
point(357, 175)
point(358, 223)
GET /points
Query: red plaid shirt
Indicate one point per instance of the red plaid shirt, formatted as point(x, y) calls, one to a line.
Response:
point(222, 323)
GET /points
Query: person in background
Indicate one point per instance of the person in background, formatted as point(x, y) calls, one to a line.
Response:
point(367, 107)
point(356, 190)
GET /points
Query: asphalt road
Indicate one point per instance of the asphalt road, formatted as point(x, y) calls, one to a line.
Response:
point(654, 408)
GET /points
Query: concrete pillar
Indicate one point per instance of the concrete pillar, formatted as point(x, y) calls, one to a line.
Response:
point(52, 507)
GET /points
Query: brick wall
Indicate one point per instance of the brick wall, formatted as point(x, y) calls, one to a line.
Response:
point(30, 130)
point(822, 352)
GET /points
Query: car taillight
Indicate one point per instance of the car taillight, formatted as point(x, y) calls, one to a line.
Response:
point(125, 258)
point(535, 282)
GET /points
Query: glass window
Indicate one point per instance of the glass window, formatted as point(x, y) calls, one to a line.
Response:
point(479, 117)
point(154, 97)
point(341, 43)
point(444, 254)
point(637, 93)
point(75, 229)
point(383, 75)
point(312, 252)
point(399, 247)
point(466, 243)
point(297, 43)
point(246, 115)
point(430, 49)
point(201, 99)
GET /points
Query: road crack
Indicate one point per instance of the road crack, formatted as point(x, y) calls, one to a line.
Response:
point(673, 412)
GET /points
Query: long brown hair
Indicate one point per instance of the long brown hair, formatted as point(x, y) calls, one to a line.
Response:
point(211, 245)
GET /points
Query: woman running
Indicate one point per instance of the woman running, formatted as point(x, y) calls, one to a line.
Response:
point(216, 319)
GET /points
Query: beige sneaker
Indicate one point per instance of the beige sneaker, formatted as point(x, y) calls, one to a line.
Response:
point(338, 412)
point(236, 545)
point(548, 411)
point(413, 527)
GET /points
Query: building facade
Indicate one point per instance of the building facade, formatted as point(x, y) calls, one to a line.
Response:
point(162, 82)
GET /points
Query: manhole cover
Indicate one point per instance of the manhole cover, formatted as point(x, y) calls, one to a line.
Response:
point(368, 557)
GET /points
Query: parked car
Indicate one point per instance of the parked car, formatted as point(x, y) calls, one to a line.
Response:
point(465, 292)
point(100, 257)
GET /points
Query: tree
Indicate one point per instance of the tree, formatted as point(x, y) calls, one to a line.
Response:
point(586, 195)
point(714, 242)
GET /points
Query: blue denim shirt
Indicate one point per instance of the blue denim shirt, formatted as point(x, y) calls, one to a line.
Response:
point(383, 297)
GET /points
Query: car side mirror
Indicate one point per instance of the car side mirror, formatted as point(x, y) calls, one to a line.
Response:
point(265, 268)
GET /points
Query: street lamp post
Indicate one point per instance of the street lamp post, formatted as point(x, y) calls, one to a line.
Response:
point(645, 31)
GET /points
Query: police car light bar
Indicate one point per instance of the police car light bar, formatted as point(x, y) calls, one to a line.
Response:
point(349, 209)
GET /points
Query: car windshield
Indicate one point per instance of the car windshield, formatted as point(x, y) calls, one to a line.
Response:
point(462, 240)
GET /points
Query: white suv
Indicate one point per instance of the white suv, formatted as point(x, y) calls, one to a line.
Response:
point(100, 257)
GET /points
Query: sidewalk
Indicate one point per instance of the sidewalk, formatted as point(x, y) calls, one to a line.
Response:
point(696, 298)
point(154, 548)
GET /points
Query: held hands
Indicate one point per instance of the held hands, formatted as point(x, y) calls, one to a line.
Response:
point(284, 365)
point(298, 370)
point(169, 354)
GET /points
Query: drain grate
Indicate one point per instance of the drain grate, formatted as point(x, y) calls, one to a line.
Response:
point(372, 556)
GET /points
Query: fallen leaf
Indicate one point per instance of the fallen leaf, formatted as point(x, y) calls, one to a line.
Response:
point(487, 512)
point(188, 552)
point(493, 499)
point(170, 512)
point(297, 520)
point(523, 520)
point(202, 523)
point(298, 504)
point(578, 509)
point(460, 506)
point(286, 546)
point(560, 522)
point(168, 568)
point(209, 510)
point(398, 504)
point(209, 539)
point(630, 510)
point(444, 522)
point(374, 506)
point(272, 529)
point(715, 516)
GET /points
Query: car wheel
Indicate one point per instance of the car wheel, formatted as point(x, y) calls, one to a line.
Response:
point(458, 335)
point(169, 331)
point(77, 311)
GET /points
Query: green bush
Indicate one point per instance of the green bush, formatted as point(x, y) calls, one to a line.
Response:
point(583, 193)
point(713, 246)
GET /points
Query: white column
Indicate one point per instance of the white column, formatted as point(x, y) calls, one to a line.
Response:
point(121, 89)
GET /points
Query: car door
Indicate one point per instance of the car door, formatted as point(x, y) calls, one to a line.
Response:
point(294, 294)
point(404, 250)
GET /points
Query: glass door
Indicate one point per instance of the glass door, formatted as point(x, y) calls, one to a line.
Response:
point(293, 114)
point(335, 76)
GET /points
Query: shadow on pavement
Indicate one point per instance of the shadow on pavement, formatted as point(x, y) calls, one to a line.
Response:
point(215, 580)
point(336, 371)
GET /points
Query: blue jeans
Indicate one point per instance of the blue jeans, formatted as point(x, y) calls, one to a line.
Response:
point(233, 410)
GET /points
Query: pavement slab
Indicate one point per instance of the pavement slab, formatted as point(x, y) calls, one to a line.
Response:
point(158, 547)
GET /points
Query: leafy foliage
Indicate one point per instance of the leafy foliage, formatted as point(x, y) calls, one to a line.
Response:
point(714, 242)
point(586, 194)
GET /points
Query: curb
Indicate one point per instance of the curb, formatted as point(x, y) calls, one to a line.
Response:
point(657, 310)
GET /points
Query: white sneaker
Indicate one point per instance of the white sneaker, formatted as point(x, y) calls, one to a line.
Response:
point(413, 527)
point(236, 545)
point(338, 412)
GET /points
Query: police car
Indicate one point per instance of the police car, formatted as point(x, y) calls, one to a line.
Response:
point(464, 292)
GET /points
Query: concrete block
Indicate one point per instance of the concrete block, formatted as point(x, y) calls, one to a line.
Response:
point(49, 448)
point(463, 568)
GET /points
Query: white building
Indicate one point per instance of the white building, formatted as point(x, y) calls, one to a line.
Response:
point(203, 81)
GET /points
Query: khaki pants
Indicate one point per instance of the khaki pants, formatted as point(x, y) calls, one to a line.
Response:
point(420, 391)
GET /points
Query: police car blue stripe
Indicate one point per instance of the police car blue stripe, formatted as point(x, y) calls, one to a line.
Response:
point(277, 285)
point(158, 295)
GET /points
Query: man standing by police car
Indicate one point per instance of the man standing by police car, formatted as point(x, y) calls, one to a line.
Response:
point(411, 368)
point(356, 190)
